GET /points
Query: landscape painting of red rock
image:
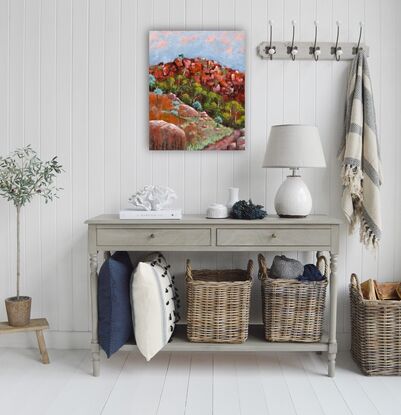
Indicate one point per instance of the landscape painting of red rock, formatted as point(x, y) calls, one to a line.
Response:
point(197, 90)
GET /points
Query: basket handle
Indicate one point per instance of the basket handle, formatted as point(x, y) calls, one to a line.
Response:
point(263, 270)
point(323, 259)
point(249, 269)
point(188, 271)
point(355, 281)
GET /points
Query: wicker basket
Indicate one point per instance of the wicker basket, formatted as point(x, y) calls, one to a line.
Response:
point(218, 304)
point(376, 333)
point(292, 310)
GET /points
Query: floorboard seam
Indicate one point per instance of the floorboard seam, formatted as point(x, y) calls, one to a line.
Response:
point(114, 384)
point(164, 383)
point(189, 377)
point(285, 380)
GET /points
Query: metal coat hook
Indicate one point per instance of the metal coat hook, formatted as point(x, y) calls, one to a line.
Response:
point(293, 50)
point(315, 50)
point(337, 50)
point(356, 50)
point(271, 50)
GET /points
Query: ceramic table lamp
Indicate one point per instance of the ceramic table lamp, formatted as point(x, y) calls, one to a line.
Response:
point(294, 146)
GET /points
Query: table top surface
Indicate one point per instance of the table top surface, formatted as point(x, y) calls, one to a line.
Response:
point(113, 219)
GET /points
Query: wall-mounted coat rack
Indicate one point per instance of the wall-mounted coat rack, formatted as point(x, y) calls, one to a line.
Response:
point(315, 50)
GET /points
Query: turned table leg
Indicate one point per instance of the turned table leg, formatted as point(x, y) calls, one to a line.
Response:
point(94, 285)
point(42, 347)
point(332, 352)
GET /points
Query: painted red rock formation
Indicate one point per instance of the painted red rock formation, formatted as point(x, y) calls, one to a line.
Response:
point(187, 111)
point(166, 136)
point(234, 141)
point(227, 82)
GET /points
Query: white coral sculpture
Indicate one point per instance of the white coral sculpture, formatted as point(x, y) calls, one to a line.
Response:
point(153, 198)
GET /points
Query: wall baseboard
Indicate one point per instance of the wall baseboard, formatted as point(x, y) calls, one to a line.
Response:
point(81, 340)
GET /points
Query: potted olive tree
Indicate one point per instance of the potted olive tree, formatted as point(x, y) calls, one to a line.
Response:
point(22, 176)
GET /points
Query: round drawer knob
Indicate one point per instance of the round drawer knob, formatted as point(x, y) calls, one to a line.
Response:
point(152, 235)
point(274, 236)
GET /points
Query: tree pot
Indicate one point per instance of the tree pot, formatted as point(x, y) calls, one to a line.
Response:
point(18, 310)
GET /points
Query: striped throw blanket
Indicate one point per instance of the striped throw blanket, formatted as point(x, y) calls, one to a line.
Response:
point(360, 155)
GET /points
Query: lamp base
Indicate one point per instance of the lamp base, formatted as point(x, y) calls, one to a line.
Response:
point(293, 199)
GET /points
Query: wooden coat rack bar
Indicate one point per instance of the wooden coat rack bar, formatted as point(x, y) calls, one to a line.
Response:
point(305, 51)
point(311, 50)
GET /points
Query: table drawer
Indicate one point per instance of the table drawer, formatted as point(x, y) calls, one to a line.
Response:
point(153, 237)
point(273, 237)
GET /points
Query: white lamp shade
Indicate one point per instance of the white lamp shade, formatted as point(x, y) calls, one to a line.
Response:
point(294, 146)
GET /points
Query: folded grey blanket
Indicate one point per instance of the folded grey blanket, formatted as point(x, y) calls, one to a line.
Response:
point(284, 267)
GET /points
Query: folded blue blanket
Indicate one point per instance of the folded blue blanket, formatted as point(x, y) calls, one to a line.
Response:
point(311, 273)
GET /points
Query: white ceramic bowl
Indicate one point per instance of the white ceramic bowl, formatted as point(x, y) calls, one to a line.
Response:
point(217, 211)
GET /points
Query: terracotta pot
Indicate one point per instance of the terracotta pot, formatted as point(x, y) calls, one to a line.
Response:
point(18, 311)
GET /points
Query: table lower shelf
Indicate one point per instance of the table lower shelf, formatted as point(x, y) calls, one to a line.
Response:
point(255, 343)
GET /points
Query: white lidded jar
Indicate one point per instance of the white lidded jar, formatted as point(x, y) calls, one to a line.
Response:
point(217, 211)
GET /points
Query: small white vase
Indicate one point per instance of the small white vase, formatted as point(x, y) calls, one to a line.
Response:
point(233, 197)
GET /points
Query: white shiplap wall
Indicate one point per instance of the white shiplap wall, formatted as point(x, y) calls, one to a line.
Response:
point(73, 82)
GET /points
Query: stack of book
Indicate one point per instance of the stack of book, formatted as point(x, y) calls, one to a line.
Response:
point(151, 214)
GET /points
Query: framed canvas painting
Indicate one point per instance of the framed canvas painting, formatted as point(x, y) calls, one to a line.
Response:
point(197, 90)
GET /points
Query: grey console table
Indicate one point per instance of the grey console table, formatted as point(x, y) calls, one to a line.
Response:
point(195, 233)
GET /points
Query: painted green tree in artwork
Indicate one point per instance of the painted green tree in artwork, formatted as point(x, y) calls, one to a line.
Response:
point(233, 114)
point(197, 105)
point(152, 82)
point(229, 113)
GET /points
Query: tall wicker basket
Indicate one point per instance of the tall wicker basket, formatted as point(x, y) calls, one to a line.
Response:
point(292, 310)
point(218, 304)
point(376, 333)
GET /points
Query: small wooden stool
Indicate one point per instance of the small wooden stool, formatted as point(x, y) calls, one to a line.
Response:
point(37, 325)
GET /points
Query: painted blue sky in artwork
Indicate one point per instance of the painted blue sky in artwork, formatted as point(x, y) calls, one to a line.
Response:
point(225, 47)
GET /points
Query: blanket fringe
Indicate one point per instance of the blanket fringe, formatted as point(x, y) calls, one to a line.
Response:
point(352, 177)
point(367, 237)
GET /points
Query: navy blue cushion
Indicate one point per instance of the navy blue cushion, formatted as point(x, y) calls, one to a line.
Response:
point(114, 307)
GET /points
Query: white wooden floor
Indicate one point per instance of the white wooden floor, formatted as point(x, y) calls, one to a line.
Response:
point(191, 383)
